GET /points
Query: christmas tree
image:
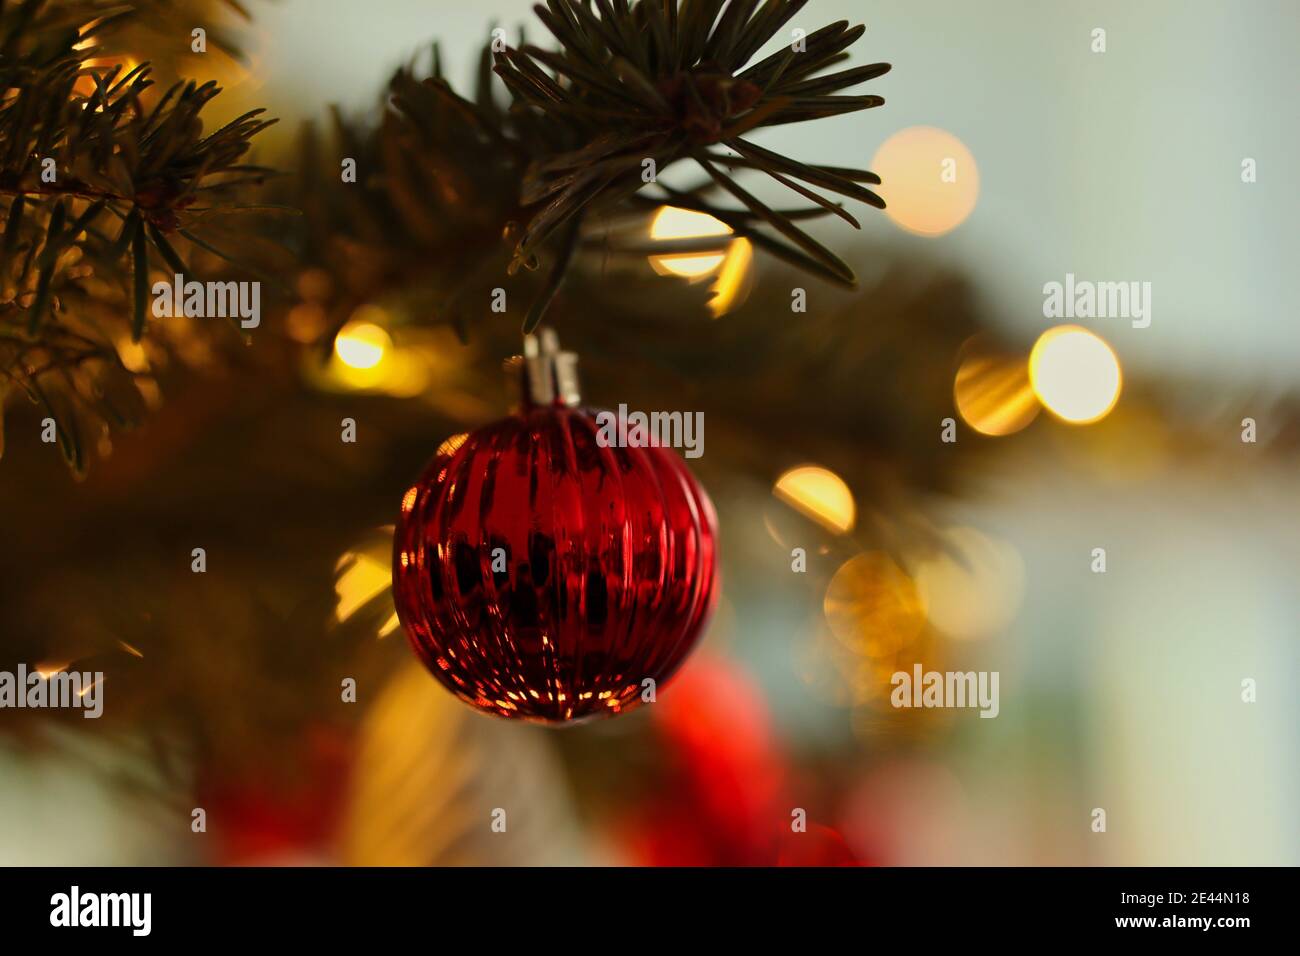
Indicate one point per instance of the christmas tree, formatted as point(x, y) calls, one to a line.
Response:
point(248, 349)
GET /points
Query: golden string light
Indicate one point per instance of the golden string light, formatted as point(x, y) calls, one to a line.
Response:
point(366, 358)
point(929, 180)
point(673, 223)
point(362, 345)
point(872, 605)
point(972, 586)
point(1075, 374)
point(819, 494)
point(730, 264)
point(875, 612)
point(993, 394)
point(360, 577)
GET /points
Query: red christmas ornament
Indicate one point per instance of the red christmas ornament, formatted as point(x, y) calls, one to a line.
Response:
point(543, 576)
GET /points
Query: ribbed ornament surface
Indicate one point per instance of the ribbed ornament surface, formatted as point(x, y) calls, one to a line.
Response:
point(544, 577)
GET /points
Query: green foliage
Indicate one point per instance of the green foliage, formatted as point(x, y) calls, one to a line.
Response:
point(666, 81)
point(437, 183)
point(456, 196)
point(98, 175)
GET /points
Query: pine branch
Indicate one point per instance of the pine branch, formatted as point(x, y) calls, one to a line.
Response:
point(443, 178)
point(82, 144)
point(658, 80)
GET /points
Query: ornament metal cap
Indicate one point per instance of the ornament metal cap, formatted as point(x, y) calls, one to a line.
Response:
point(548, 376)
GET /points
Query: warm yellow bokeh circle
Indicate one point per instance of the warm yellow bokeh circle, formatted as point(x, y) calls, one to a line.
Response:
point(819, 494)
point(993, 395)
point(672, 222)
point(929, 180)
point(1075, 374)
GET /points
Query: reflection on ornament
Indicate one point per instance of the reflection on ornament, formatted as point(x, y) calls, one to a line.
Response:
point(930, 180)
point(1075, 374)
point(451, 445)
point(540, 575)
point(819, 494)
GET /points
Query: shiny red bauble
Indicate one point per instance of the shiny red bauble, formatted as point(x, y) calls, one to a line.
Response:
point(541, 575)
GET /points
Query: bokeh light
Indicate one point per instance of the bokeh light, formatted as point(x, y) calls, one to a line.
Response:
point(993, 394)
point(360, 577)
point(361, 345)
point(85, 84)
point(306, 322)
point(819, 494)
point(873, 607)
point(672, 222)
point(929, 180)
point(728, 259)
point(973, 587)
point(1075, 374)
point(735, 279)
point(367, 358)
point(133, 354)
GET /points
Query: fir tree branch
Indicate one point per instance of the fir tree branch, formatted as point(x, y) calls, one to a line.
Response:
point(81, 136)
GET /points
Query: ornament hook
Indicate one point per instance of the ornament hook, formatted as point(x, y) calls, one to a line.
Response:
point(549, 375)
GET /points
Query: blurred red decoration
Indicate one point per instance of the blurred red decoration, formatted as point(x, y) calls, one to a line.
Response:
point(543, 576)
point(724, 749)
point(729, 793)
point(818, 845)
point(720, 804)
point(283, 815)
